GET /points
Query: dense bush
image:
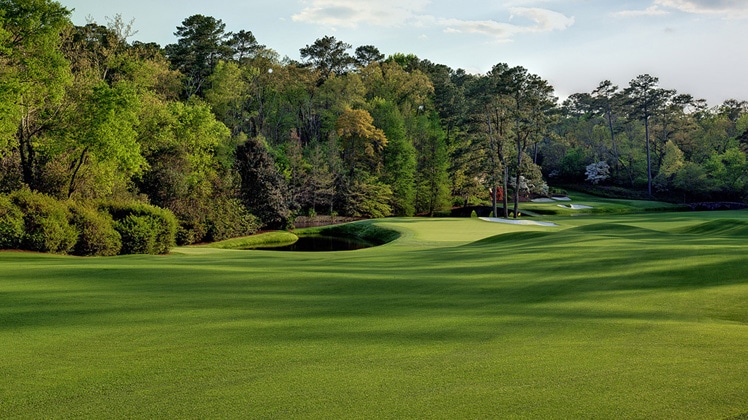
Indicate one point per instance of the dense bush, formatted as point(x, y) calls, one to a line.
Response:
point(138, 234)
point(96, 233)
point(46, 223)
point(230, 219)
point(364, 231)
point(220, 219)
point(37, 222)
point(11, 224)
point(144, 229)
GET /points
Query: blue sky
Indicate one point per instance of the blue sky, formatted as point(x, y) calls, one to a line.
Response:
point(698, 47)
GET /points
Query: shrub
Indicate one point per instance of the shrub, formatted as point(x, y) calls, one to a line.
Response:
point(473, 215)
point(138, 234)
point(230, 219)
point(144, 229)
point(213, 219)
point(363, 231)
point(11, 224)
point(46, 223)
point(96, 232)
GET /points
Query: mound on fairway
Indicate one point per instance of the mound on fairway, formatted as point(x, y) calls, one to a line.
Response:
point(719, 227)
point(601, 317)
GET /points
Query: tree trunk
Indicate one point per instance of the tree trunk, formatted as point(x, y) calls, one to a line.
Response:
point(649, 158)
point(520, 152)
point(495, 211)
point(26, 149)
point(505, 196)
point(78, 164)
point(613, 140)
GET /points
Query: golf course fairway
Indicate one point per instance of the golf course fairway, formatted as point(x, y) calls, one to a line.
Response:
point(604, 316)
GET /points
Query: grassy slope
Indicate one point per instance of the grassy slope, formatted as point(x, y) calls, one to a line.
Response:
point(599, 206)
point(636, 316)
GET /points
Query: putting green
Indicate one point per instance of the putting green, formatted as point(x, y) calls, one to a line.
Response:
point(630, 316)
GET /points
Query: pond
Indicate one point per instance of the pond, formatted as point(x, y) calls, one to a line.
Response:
point(322, 243)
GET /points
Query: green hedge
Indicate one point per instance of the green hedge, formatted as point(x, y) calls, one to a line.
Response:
point(11, 224)
point(96, 232)
point(36, 222)
point(46, 223)
point(144, 229)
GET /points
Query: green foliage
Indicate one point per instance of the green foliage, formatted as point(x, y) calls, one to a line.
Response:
point(101, 141)
point(364, 231)
point(367, 198)
point(473, 215)
point(432, 180)
point(214, 219)
point(144, 229)
point(34, 76)
point(85, 115)
point(399, 159)
point(729, 170)
point(362, 142)
point(11, 224)
point(573, 165)
point(229, 94)
point(200, 46)
point(229, 218)
point(328, 55)
point(138, 234)
point(263, 189)
point(96, 233)
point(46, 223)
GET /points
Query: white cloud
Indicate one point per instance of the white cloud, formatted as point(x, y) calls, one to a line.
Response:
point(649, 11)
point(544, 21)
point(726, 8)
point(345, 13)
point(389, 13)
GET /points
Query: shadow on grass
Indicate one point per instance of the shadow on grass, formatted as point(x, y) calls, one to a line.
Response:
point(521, 279)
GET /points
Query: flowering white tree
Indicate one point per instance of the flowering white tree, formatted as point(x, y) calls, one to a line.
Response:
point(524, 186)
point(598, 171)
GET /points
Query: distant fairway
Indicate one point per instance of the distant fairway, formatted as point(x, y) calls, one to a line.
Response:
point(605, 316)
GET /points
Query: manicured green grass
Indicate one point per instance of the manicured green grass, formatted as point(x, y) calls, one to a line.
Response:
point(628, 316)
point(598, 205)
point(262, 240)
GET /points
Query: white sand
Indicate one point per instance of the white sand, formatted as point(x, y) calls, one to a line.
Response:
point(575, 206)
point(517, 221)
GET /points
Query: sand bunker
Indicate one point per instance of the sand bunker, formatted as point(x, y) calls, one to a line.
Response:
point(517, 221)
point(575, 206)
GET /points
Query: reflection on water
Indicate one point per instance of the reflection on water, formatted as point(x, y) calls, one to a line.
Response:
point(322, 243)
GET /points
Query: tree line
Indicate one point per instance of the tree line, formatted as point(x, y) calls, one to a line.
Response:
point(230, 137)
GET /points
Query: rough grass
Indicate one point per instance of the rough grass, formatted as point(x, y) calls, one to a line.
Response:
point(630, 316)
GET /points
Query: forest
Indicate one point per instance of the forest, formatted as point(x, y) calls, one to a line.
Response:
point(109, 146)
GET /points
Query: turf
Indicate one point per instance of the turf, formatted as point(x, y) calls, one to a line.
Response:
point(598, 205)
point(625, 316)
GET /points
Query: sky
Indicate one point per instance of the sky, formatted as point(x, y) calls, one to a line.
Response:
point(698, 47)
